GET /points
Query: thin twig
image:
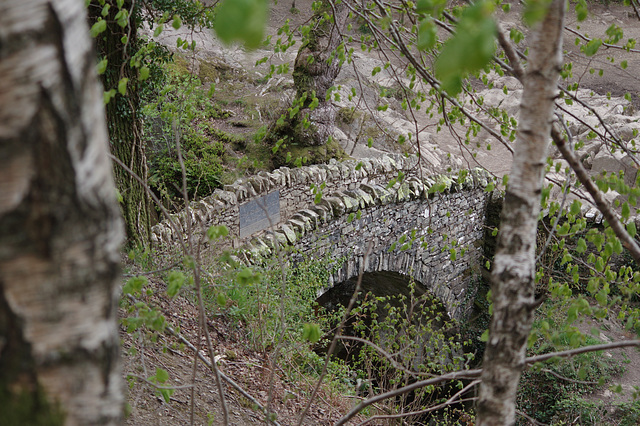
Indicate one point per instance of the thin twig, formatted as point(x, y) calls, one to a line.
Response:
point(334, 341)
point(449, 401)
point(384, 353)
point(566, 379)
point(224, 377)
point(530, 419)
point(627, 241)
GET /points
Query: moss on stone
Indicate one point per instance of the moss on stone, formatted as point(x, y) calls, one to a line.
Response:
point(294, 155)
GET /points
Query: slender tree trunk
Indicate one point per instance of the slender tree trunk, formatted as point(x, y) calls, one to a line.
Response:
point(60, 227)
point(123, 122)
point(512, 277)
point(315, 70)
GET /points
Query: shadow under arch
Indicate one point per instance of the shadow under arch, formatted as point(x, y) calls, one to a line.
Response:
point(406, 297)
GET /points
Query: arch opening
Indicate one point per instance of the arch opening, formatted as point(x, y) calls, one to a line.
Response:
point(400, 316)
point(410, 328)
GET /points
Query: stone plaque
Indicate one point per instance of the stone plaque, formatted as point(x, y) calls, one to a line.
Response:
point(259, 214)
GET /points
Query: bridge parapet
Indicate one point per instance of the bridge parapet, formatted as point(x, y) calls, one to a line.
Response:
point(294, 188)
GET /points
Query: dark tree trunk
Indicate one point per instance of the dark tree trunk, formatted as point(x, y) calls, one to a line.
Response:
point(60, 227)
point(123, 121)
point(315, 70)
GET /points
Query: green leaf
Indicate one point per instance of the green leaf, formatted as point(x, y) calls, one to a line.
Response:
point(177, 22)
point(581, 10)
point(516, 35)
point(107, 95)
point(241, 20)
point(166, 394)
point(176, 280)
point(122, 18)
point(624, 65)
point(631, 229)
point(432, 7)
point(246, 276)
point(581, 246)
point(591, 48)
point(582, 373)
point(102, 66)
point(427, 35)
point(311, 332)
point(122, 86)
point(626, 211)
point(158, 30)
point(575, 207)
point(134, 285)
point(98, 27)
point(144, 73)
point(161, 375)
point(485, 336)
point(470, 49)
point(216, 232)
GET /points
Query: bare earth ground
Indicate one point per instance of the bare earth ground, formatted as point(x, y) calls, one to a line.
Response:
point(252, 369)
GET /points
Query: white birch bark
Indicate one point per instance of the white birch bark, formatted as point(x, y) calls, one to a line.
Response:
point(512, 277)
point(60, 227)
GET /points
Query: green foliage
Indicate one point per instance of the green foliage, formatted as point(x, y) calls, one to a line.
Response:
point(628, 413)
point(241, 20)
point(577, 410)
point(542, 393)
point(179, 105)
point(417, 339)
point(202, 162)
point(470, 49)
point(254, 296)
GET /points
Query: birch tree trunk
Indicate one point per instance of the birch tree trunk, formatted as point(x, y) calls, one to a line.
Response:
point(512, 277)
point(60, 227)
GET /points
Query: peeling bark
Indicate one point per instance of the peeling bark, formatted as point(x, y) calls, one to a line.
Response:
point(60, 227)
point(512, 277)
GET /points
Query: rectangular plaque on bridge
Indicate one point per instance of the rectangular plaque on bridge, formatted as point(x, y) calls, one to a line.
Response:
point(259, 214)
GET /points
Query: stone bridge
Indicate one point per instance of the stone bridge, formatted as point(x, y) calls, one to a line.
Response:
point(378, 215)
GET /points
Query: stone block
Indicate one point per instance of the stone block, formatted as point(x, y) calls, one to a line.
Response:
point(336, 204)
point(289, 233)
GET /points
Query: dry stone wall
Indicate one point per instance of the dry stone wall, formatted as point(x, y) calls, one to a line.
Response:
point(294, 188)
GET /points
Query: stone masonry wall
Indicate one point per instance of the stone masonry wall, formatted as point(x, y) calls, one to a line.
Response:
point(430, 229)
point(294, 185)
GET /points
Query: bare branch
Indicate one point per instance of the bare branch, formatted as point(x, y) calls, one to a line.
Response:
point(222, 375)
point(449, 401)
point(464, 374)
point(561, 377)
point(608, 45)
point(627, 241)
point(585, 349)
point(384, 353)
